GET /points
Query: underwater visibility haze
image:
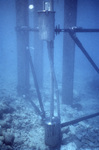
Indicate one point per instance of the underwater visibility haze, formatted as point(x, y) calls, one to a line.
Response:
point(49, 74)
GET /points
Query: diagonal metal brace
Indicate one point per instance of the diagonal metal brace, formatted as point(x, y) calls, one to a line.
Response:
point(79, 120)
point(79, 44)
point(36, 84)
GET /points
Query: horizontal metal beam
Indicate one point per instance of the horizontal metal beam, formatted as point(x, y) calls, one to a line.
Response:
point(57, 29)
point(75, 29)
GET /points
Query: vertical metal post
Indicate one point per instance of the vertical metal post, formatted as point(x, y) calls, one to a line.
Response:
point(70, 10)
point(38, 44)
point(22, 44)
point(51, 59)
point(53, 82)
point(52, 66)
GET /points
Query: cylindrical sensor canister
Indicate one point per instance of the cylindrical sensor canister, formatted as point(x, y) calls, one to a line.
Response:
point(46, 20)
point(52, 132)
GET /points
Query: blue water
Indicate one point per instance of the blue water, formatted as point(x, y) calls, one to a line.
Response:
point(86, 79)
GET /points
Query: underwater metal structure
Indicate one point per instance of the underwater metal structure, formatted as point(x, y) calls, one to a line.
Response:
point(47, 33)
point(70, 19)
point(53, 123)
point(37, 42)
point(22, 20)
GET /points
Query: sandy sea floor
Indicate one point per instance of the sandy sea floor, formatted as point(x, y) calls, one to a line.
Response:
point(21, 128)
